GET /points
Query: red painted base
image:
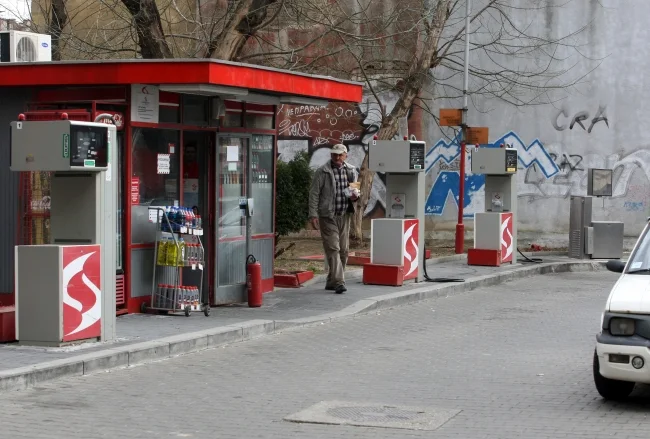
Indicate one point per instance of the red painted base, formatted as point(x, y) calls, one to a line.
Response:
point(7, 324)
point(376, 274)
point(358, 260)
point(292, 280)
point(490, 258)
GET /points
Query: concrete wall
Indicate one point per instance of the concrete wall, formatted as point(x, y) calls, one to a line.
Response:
point(597, 124)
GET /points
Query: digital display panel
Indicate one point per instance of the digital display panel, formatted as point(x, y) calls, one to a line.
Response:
point(88, 146)
point(416, 157)
point(600, 183)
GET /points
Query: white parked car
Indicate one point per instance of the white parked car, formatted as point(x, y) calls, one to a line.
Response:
point(622, 356)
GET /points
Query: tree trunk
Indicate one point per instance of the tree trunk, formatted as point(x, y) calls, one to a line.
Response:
point(58, 21)
point(243, 23)
point(148, 26)
point(422, 62)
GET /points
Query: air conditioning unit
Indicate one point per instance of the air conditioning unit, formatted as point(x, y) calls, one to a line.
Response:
point(20, 46)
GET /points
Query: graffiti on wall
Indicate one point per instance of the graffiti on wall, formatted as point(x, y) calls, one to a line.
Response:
point(563, 119)
point(443, 163)
point(315, 129)
point(545, 171)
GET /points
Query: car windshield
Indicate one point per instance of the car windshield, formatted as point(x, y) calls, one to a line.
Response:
point(640, 259)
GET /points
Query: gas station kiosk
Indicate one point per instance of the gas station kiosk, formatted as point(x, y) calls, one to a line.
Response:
point(495, 230)
point(65, 290)
point(397, 241)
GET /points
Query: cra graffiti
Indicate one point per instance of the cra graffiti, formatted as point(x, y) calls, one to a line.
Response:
point(561, 121)
point(316, 128)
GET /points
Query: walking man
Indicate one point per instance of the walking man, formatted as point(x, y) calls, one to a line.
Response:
point(331, 205)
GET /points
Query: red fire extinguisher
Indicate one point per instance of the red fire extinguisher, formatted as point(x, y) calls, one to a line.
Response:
point(254, 281)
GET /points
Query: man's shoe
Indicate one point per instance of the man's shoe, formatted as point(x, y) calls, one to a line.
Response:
point(330, 288)
point(340, 289)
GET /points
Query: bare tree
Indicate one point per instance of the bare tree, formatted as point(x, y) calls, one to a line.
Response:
point(152, 29)
point(412, 48)
point(416, 48)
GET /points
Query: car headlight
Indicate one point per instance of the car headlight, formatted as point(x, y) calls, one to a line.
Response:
point(620, 326)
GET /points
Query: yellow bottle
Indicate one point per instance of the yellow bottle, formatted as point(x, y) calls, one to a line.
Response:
point(180, 257)
point(162, 255)
point(172, 252)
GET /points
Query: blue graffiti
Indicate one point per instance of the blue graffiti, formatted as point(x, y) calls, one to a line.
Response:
point(447, 180)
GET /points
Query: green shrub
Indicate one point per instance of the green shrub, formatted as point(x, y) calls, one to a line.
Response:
point(292, 194)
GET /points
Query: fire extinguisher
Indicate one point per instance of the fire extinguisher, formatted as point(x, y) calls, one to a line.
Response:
point(254, 281)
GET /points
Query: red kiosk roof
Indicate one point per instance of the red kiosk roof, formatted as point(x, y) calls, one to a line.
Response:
point(179, 71)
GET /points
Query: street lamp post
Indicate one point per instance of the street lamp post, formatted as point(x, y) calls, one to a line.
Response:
point(460, 227)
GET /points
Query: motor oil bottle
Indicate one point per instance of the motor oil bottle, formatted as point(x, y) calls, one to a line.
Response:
point(162, 255)
point(181, 253)
point(171, 251)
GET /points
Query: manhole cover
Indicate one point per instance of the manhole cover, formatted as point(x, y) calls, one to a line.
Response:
point(374, 415)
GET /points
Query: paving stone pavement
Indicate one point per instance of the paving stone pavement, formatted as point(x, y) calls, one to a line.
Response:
point(283, 304)
point(515, 359)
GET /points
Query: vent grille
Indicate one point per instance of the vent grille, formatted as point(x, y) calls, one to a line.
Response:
point(120, 296)
point(25, 50)
point(574, 247)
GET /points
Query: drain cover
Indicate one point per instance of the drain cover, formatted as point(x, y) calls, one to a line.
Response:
point(374, 415)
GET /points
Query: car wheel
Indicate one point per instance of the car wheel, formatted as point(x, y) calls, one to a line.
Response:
point(610, 389)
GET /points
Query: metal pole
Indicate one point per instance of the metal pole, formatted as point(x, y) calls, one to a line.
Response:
point(460, 227)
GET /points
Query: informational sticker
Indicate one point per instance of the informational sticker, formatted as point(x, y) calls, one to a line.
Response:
point(172, 148)
point(135, 190)
point(232, 167)
point(66, 146)
point(155, 215)
point(636, 265)
point(145, 100)
point(164, 163)
point(397, 205)
point(191, 185)
point(232, 153)
point(89, 163)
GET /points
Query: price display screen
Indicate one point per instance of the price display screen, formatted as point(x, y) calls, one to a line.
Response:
point(88, 146)
point(416, 157)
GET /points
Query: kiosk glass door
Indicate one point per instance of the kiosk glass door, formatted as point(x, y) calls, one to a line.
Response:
point(231, 229)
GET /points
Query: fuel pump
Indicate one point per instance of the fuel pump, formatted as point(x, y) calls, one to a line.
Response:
point(397, 241)
point(65, 291)
point(495, 230)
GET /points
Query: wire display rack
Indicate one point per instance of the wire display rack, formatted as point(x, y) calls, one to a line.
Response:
point(178, 246)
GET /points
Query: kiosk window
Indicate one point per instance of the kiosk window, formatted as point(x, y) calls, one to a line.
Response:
point(156, 189)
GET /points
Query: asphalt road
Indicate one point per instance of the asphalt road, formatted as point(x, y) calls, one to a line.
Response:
point(512, 361)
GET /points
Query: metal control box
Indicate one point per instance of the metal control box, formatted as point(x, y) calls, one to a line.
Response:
point(396, 156)
point(494, 161)
point(61, 145)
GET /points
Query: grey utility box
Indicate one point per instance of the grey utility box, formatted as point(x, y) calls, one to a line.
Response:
point(396, 156)
point(494, 161)
point(592, 239)
point(60, 145)
point(605, 240)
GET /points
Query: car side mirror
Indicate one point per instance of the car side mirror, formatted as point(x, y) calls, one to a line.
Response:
point(615, 265)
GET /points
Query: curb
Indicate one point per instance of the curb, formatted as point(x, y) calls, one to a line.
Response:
point(357, 273)
point(169, 347)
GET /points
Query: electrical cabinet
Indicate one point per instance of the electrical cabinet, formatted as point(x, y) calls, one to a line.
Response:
point(397, 156)
point(494, 161)
point(81, 145)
